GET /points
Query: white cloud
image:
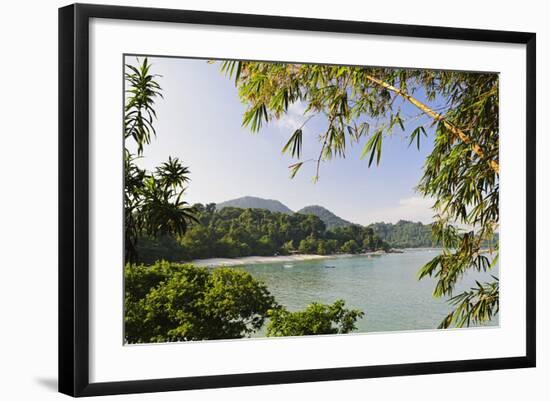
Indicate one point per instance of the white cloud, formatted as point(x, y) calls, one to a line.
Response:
point(415, 208)
point(293, 118)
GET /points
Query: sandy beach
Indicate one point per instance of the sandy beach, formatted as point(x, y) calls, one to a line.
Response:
point(248, 260)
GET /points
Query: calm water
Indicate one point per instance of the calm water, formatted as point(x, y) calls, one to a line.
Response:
point(384, 287)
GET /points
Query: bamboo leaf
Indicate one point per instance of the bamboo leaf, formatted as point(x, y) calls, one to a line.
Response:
point(296, 142)
point(374, 146)
point(294, 169)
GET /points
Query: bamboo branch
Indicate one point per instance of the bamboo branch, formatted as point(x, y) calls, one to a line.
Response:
point(438, 117)
point(331, 120)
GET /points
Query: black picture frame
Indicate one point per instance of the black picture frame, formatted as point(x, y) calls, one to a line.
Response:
point(74, 198)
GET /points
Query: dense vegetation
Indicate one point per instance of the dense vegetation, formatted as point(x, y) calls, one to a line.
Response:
point(252, 202)
point(181, 302)
point(405, 234)
point(329, 218)
point(316, 318)
point(362, 105)
point(235, 232)
point(153, 201)
point(170, 302)
point(167, 302)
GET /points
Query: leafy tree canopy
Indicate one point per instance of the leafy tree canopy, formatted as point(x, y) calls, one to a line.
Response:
point(363, 105)
point(236, 232)
point(329, 218)
point(153, 201)
point(174, 302)
point(171, 302)
point(316, 318)
point(405, 234)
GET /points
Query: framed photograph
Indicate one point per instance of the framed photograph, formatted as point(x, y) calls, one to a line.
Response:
point(250, 199)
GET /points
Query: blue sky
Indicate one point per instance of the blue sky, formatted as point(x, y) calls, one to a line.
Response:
point(199, 121)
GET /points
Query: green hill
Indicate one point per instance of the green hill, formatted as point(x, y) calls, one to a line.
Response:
point(236, 232)
point(252, 202)
point(329, 218)
point(404, 234)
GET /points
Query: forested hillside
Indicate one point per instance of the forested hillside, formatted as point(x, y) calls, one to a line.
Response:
point(329, 218)
point(252, 202)
point(404, 234)
point(235, 232)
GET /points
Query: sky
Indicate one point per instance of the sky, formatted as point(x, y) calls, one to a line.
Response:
point(199, 120)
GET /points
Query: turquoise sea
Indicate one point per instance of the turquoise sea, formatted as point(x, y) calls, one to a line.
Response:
point(385, 287)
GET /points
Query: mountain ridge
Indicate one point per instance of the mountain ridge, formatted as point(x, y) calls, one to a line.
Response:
point(254, 202)
point(404, 233)
point(330, 219)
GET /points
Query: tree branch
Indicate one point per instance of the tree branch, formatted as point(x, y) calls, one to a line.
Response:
point(438, 117)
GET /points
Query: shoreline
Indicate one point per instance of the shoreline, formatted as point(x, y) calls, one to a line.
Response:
point(248, 260)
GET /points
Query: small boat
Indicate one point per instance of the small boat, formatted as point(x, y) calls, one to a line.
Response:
point(329, 267)
point(288, 265)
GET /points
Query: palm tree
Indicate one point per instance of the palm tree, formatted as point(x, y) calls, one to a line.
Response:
point(153, 204)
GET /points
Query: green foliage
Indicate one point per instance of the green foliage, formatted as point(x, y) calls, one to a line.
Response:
point(415, 135)
point(374, 146)
point(315, 319)
point(460, 174)
point(287, 248)
point(466, 189)
point(170, 302)
point(235, 232)
point(350, 246)
point(476, 306)
point(329, 218)
point(140, 99)
point(294, 144)
point(355, 238)
point(308, 245)
point(405, 234)
point(153, 204)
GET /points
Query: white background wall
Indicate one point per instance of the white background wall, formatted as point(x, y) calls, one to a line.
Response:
point(28, 200)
